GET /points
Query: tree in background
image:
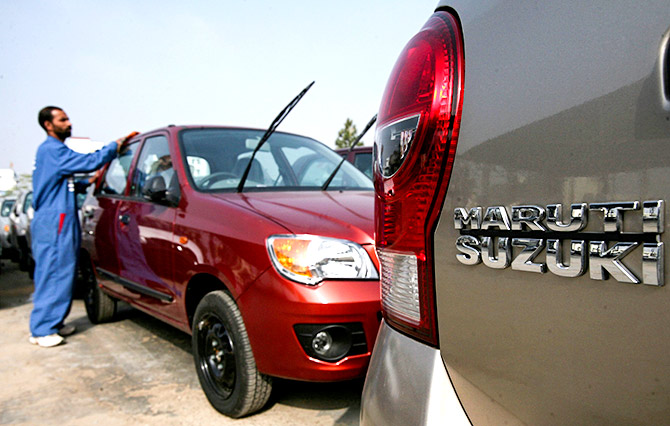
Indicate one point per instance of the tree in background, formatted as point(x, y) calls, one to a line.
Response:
point(347, 135)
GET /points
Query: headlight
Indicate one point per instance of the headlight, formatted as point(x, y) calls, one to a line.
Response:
point(309, 259)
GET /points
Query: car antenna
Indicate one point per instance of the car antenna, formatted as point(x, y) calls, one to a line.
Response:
point(351, 148)
point(270, 131)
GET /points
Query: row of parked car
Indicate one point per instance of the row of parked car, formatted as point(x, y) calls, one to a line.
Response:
point(17, 212)
point(15, 216)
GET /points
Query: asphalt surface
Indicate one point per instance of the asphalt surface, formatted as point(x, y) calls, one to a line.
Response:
point(135, 371)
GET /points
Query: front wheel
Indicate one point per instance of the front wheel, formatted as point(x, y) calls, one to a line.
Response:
point(223, 358)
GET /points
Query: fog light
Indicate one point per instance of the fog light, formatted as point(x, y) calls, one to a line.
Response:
point(322, 342)
point(331, 342)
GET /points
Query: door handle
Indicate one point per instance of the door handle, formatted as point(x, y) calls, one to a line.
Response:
point(124, 218)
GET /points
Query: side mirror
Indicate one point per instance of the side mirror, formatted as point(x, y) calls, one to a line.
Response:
point(155, 189)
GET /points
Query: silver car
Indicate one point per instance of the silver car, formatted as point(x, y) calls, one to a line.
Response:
point(522, 167)
point(19, 218)
point(6, 204)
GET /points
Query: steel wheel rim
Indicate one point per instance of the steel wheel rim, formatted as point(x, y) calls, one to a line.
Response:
point(217, 355)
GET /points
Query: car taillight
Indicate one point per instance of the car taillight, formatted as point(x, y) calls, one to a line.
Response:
point(415, 144)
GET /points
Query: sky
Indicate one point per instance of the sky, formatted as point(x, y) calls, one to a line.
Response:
point(125, 65)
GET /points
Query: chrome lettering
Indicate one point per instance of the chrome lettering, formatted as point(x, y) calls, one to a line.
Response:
point(499, 260)
point(652, 264)
point(577, 257)
point(530, 216)
point(652, 217)
point(463, 218)
point(469, 250)
point(524, 260)
point(578, 218)
point(613, 214)
point(603, 261)
point(493, 236)
point(496, 217)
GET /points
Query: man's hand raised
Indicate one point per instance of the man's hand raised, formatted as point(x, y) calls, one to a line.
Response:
point(123, 140)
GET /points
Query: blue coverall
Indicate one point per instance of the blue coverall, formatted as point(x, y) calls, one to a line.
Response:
point(55, 229)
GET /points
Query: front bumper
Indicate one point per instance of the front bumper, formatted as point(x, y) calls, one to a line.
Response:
point(407, 383)
point(273, 306)
point(4, 240)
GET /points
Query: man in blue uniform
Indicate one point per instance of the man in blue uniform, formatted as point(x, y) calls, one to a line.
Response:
point(55, 228)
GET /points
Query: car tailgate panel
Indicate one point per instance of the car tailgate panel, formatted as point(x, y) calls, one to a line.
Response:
point(563, 104)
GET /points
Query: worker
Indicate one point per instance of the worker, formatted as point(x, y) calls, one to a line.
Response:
point(55, 229)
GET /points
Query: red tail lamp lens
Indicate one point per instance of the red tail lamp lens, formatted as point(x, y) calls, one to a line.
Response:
point(415, 145)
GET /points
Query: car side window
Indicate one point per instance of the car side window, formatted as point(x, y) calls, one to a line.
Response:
point(7, 207)
point(154, 171)
point(116, 176)
point(28, 202)
point(363, 162)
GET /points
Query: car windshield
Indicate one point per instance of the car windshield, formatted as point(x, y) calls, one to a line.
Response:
point(218, 157)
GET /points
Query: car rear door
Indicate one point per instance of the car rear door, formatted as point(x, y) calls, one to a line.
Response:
point(99, 219)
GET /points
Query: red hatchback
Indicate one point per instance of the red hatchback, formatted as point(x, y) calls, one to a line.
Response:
point(271, 271)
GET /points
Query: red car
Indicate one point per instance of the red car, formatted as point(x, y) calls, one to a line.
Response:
point(271, 273)
point(360, 156)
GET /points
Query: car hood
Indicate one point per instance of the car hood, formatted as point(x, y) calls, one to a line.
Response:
point(337, 214)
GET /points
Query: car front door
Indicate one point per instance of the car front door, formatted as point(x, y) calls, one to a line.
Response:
point(144, 226)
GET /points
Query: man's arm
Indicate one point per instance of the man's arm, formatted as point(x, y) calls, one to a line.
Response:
point(70, 162)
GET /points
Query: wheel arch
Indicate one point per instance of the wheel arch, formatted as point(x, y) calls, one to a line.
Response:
point(198, 287)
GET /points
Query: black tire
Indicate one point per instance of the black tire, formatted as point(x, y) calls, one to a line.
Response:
point(31, 267)
point(224, 360)
point(24, 255)
point(100, 307)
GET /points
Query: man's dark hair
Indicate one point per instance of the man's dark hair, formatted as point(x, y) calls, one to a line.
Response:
point(46, 114)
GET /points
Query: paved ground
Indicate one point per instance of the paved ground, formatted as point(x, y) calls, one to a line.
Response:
point(136, 371)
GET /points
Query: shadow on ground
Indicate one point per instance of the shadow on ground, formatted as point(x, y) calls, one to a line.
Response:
point(339, 402)
point(15, 286)
point(303, 395)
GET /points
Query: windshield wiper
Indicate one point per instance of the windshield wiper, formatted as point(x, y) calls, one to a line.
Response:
point(273, 126)
point(351, 148)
